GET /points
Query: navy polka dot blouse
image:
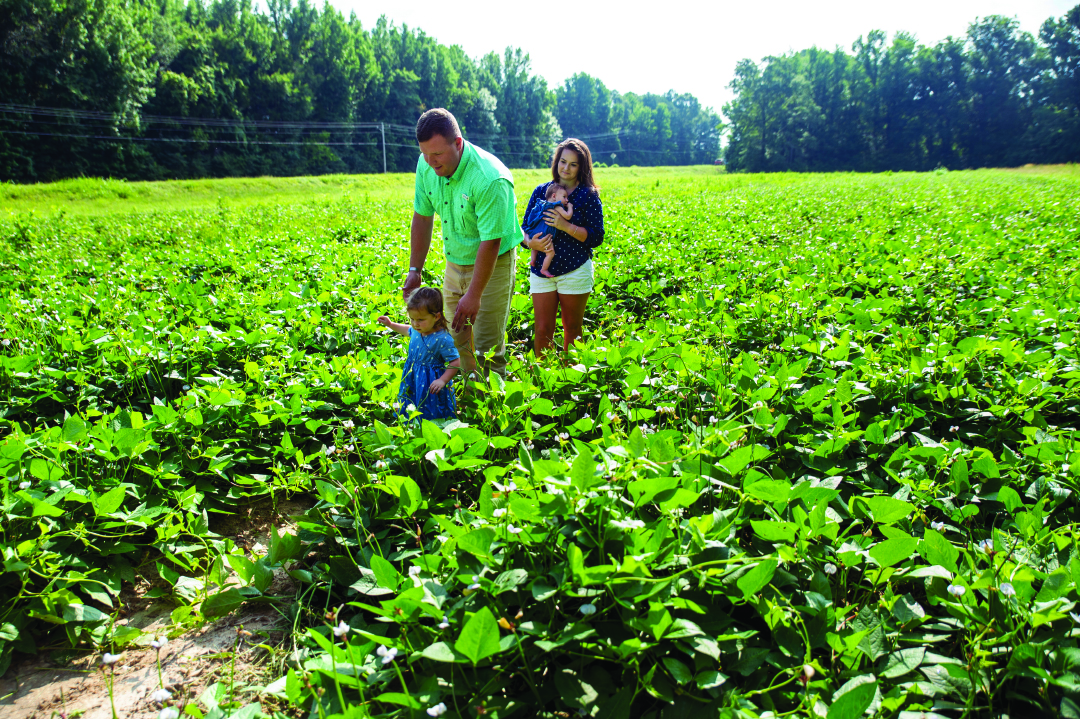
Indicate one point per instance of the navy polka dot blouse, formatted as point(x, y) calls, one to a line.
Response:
point(569, 253)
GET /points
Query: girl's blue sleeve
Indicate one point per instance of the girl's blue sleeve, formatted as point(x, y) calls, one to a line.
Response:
point(447, 349)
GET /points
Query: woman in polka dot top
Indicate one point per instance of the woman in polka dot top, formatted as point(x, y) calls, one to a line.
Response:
point(567, 291)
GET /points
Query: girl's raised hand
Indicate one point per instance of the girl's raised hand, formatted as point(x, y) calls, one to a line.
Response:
point(383, 320)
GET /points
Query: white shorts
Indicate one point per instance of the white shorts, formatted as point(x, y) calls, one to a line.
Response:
point(575, 282)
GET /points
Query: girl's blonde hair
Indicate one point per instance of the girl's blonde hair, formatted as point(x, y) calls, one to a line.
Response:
point(430, 300)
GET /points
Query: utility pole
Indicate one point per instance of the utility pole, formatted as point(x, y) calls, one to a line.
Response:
point(382, 131)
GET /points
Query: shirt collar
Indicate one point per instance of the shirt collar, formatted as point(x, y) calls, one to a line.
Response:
point(467, 151)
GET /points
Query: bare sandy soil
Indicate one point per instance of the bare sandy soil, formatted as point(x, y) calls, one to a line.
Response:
point(67, 685)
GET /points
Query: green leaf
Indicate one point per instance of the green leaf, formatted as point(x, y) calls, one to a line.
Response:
point(887, 510)
point(958, 476)
point(434, 437)
point(757, 578)
point(477, 542)
point(770, 490)
point(637, 443)
point(1010, 498)
point(74, 429)
point(854, 702)
point(772, 531)
point(45, 471)
point(938, 550)
point(679, 671)
point(385, 573)
point(903, 661)
point(509, 580)
point(222, 603)
point(443, 652)
point(110, 501)
point(409, 497)
point(893, 551)
point(479, 637)
point(582, 472)
point(986, 466)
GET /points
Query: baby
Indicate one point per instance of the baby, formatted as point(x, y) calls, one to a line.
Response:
point(554, 199)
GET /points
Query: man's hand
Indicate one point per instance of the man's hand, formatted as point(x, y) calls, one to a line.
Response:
point(465, 314)
point(412, 281)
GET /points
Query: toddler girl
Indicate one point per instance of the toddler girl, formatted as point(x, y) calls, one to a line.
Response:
point(554, 199)
point(432, 362)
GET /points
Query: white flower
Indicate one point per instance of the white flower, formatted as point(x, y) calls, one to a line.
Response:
point(610, 416)
point(348, 448)
point(612, 397)
point(953, 428)
point(986, 545)
point(587, 609)
point(330, 450)
point(341, 629)
point(499, 512)
point(5, 342)
point(894, 409)
point(627, 523)
point(713, 420)
point(512, 529)
point(414, 575)
point(830, 568)
point(437, 710)
point(348, 424)
point(444, 624)
point(386, 654)
point(476, 582)
point(504, 487)
point(161, 696)
point(808, 671)
point(1075, 617)
point(109, 659)
point(937, 526)
point(187, 387)
point(380, 465)
point(564, 436)
point(956, 590)
point(169, 713)
point(635, 394)
point(24, 485)
point(411, 408)
point(1008, 590)
point(159, 643)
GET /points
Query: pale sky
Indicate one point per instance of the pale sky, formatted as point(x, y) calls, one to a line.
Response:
point(680, 45)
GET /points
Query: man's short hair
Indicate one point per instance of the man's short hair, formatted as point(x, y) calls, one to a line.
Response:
point(437, 121)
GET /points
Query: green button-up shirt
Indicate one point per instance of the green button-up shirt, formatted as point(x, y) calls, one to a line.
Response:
point(475, 204)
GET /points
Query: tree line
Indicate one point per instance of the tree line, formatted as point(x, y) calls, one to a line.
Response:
point(997, 97)
point(163, 89)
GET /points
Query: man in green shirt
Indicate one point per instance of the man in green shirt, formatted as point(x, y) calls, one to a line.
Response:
point(473, 193)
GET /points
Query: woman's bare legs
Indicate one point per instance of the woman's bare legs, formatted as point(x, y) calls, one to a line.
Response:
point(545, 308)
point(573, 314)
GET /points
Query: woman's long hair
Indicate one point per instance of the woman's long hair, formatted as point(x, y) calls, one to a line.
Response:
point(584, 175)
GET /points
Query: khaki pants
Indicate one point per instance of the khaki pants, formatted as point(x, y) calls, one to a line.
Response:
point(489, 330)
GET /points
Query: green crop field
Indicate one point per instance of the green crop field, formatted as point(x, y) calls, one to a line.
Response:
point(817, 455)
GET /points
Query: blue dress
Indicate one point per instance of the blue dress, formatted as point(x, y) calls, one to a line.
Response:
point(427, 360)
point(534, 219)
